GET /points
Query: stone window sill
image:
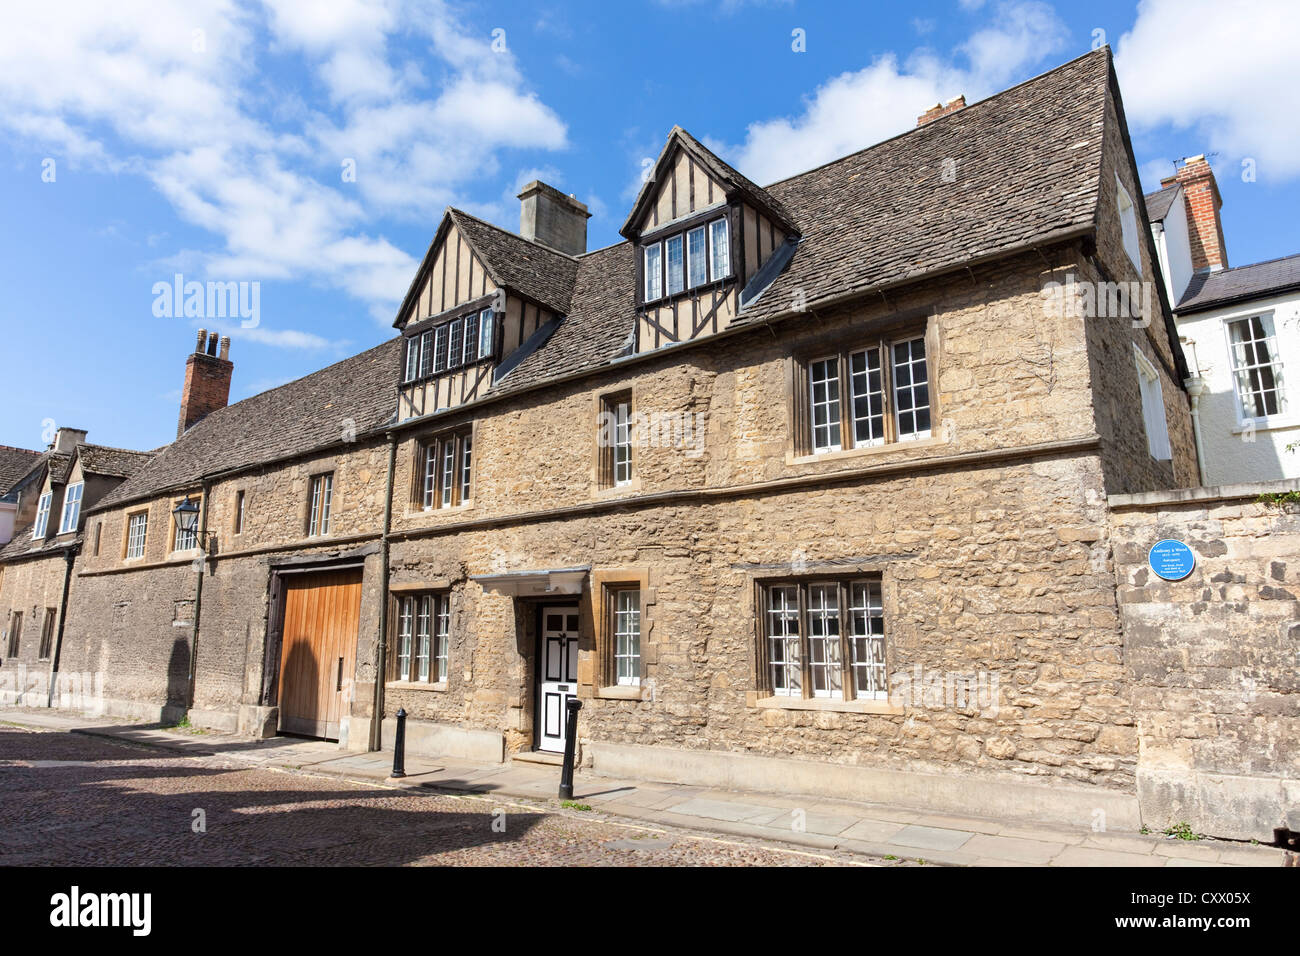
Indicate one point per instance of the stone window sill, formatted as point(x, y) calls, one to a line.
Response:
point(414, 685)
point(622, 692)
point(866, 706)
point(618, 491)
point(869, 450)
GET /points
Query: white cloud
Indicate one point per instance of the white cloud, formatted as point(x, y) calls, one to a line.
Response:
point(854, 110)
point(1219, 71)
point(183, 95)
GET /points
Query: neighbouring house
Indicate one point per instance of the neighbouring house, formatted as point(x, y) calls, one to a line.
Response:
point(803, 486)
point(1241, 329)
point(36, 565)
point(16, 464)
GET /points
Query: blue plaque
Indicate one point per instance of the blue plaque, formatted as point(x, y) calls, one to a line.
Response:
point(1171, 560)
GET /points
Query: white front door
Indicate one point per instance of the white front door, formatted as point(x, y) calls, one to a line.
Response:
point(559, 674)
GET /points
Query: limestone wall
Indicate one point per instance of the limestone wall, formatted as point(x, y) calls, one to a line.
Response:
point(1212, 658)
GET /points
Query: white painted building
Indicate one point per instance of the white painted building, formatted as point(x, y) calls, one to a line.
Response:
point(1240, 329)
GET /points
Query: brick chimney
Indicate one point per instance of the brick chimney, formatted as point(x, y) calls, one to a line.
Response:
point(941, 109)
point(207, 380)
point(1204, 227)
point(553, 219)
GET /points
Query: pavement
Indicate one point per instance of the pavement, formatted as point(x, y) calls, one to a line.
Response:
point(874, 831)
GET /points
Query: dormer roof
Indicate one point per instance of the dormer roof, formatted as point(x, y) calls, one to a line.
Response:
point(534, 271)
point(736, 184)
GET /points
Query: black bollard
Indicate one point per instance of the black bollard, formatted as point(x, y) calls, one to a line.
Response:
point(571, 709)
point(399, 745)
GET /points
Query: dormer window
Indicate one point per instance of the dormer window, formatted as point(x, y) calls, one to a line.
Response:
point(42, 514)
point(71, 508)
point(687, 260)
point(452, 345)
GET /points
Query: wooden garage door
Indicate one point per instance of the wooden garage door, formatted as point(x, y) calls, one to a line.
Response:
point(318, 650)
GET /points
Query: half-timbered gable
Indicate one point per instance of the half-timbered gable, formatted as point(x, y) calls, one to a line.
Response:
point(482, 297)
point(707, 241)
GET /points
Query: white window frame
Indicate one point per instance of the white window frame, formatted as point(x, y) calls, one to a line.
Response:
point(183, 540)
point(824, 663)
point(702, 233)
point(669, 288)
point(626, 608)
point(622, 448)
point(657, 292)
point(851, 612)
point(71, 507)
point(912, 361)
point(725, 272)
point(486, 327)
point(135, 543)
point(322, 499)
point(1128, 225)
point(875, 438)
point(786, 639)
point(833, 422)
point(42, 515)
point(1153, 407)
point(1266, 319)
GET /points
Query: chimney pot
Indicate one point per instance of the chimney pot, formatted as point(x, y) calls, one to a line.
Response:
point(203, 339)
point(548, 216)
point(212, 343)
point(225, 347)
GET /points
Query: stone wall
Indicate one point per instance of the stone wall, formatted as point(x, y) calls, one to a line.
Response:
point(31, 587)
point(1212, 658)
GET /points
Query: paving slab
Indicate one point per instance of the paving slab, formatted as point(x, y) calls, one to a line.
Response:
point(1033, 852)
point(1093, 856)
point(881, 831)
point(930, 838)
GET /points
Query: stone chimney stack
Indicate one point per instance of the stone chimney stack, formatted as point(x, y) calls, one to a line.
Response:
point(1204, 226)
point(941, 109)
point(553, 219)
point(67, 439)
point(207, 380)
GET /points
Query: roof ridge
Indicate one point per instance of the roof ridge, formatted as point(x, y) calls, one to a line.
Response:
point(940, 119)
point(129, 451)
point(26, 451)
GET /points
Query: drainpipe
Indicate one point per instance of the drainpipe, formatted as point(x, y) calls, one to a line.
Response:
point(1195, 389)
point(69, 556)
point(381, 646)
point(198, 594)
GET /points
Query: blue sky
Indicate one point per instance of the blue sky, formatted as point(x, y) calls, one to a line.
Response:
point(211, 138)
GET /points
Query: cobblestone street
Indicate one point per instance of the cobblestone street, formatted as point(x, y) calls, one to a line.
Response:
point(69, 799)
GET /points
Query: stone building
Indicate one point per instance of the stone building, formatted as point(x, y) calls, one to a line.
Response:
point(802, 486)
point(1240, 327)
point(37, 565)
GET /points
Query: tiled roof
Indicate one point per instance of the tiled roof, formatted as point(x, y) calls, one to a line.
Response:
point(1158, 202)
point(21, 545)
point(540, 273)
point(597, 328)
point(1256, 281)
point(325, 408)
point(112, 462)
point(1027, 171)
point(15, 464)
